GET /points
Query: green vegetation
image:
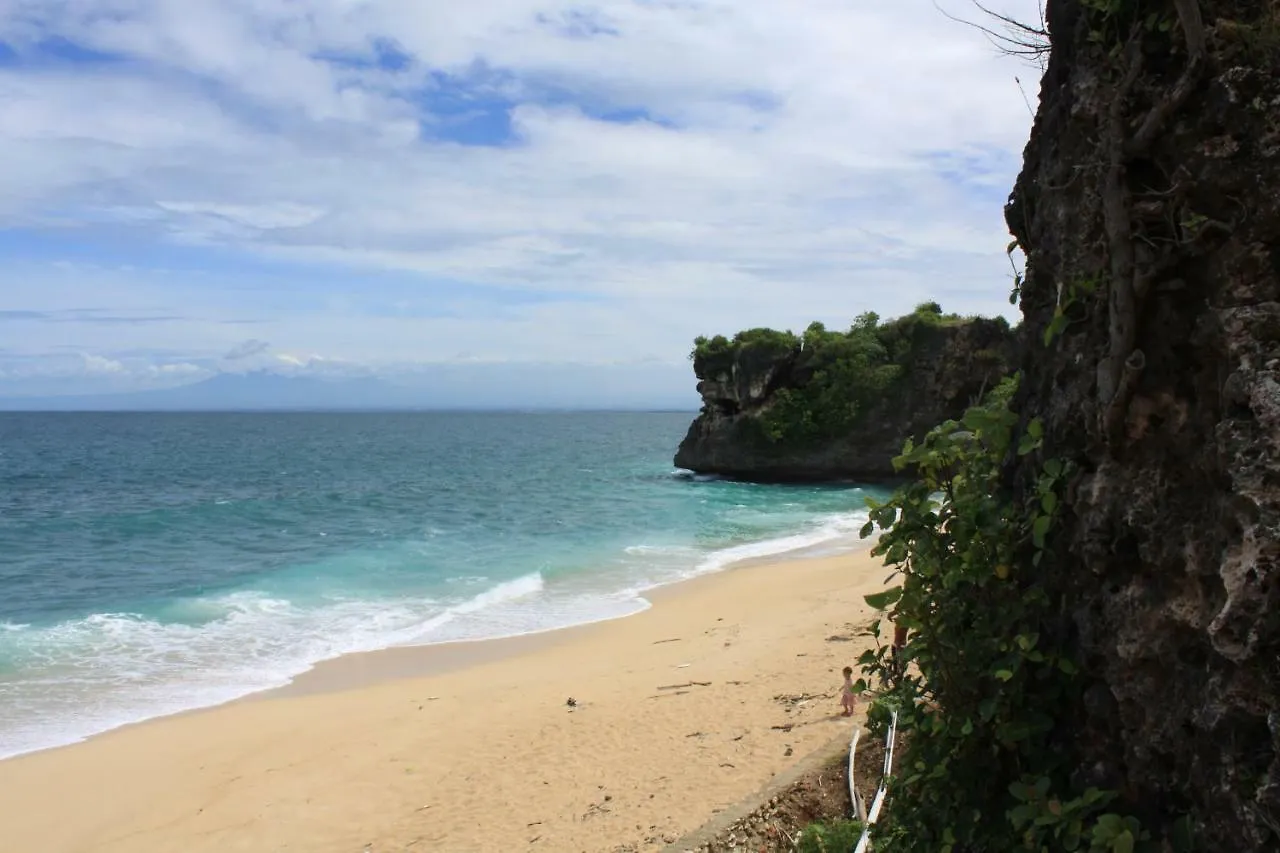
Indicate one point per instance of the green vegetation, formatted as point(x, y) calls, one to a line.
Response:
point(836, 376)
point(993, 681)
point(835, 836)
point(754, 349)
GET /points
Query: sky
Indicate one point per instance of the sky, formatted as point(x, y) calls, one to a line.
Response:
point(370, 188)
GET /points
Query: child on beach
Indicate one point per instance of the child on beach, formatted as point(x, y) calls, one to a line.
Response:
point(899, 643)
point(848, 697)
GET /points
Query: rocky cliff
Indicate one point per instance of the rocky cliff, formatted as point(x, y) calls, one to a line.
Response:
point(1149, 208)
point(941, 369)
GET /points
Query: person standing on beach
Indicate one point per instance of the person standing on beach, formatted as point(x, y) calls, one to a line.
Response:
point(848, 696)
point(899, 643)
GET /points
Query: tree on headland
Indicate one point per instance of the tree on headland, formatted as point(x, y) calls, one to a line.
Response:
point(840, 375)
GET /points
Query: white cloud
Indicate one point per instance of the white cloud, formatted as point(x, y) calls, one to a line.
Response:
point(180, 369)
point(263, 217)
point(96, 364)
point(814, 160)
point(86, 373)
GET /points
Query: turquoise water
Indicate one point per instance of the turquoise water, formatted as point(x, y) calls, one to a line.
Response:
point(152, 563)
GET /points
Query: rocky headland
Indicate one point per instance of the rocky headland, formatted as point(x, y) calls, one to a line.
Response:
point(827, 406)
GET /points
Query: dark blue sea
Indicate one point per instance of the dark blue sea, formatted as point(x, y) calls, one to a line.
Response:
point(153, 563)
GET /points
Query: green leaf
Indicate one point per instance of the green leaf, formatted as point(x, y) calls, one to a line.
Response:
point(1004, 674)
point(1053, 467)
point(867, 530)
point(1035, 429)
point(882, 600)
point(1056, 326)
point(1182, 834)
point(1123, 843)
point(1040, 529)
point(1049, 502)
point(1108, 827)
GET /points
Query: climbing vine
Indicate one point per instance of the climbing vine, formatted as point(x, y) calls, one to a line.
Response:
point(1070, 298)
point(989, 678)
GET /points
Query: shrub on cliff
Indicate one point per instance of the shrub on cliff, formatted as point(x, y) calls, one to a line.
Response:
point(712, 356)
point(988, 697)
point(834, 836)
point(835, 377)
point(846, 373)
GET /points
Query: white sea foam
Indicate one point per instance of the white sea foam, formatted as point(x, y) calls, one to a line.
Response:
point(685, 474)
point(510, 590)
point(826, 530)
point(85, 676)
point(660, 550)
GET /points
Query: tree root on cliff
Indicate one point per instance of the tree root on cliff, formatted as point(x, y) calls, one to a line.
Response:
point(1120, 371)
point(1116, 214)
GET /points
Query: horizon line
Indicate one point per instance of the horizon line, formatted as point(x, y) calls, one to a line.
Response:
point(334, 410)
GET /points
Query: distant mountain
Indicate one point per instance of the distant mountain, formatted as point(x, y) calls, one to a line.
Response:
point(446, 386)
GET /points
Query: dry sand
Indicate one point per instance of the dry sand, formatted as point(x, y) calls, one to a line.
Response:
point(472, 747)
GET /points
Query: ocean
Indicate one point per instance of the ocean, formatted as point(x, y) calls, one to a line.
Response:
point(155, 563)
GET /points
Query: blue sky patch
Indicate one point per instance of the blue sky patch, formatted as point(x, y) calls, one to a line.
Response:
point(384, 54)
point(475, 109)
point(55, 51)
point(468, 109)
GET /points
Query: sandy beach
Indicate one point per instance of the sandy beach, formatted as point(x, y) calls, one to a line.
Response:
point(678, 712)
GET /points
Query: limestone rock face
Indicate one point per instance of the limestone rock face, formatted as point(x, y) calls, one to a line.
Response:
point(1149, 208)
point(950, 368)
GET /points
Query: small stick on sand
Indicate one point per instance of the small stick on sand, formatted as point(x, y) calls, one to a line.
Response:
point(671, 640)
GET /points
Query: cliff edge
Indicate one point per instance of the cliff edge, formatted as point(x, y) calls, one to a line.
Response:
point(837, 405)
point(1148, 210)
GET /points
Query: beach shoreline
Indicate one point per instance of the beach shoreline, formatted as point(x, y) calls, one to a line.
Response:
point(693, 703)
point(356, 670)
